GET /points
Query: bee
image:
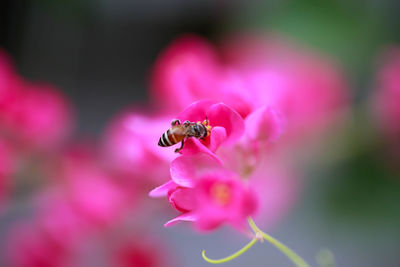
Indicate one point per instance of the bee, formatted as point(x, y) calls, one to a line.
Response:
point(180, 132)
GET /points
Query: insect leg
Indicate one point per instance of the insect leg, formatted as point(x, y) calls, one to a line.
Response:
point(178, 150)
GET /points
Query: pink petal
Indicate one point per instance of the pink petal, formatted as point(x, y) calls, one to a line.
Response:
point(217, 136)
point(42, 117)
point(237, 204)
point(222, 115)
point(209, 223)
point(182, 199)
point(186, 169)
point(162, 190)
point(234, 91)
point(196, 111)
point(265, 124)
point(185, 72)
point(188, 217)
point(194, 146)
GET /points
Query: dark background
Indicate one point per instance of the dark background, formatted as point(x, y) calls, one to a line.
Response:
point(100, 53)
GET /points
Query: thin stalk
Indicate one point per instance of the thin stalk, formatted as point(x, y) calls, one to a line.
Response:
point(231, 257)
point(285, 250)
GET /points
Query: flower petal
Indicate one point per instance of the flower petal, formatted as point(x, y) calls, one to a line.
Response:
point(194, 146)
point(187, 168)
point(185, 72)
point(182, 199)
point(188, 217)
point(163, 190)
point(217, 137)
point(265, 124)
point(196, 111)
point(222, 115)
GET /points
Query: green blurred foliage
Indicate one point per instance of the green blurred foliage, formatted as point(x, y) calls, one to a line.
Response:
point(362, 189)
point(351, 31)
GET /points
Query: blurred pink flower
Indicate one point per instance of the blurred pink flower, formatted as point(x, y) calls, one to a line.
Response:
point(28, 246)
point(34, 115)
point(307, 88)
point(10, 83)
point(40, 117)
point(135, 251)
point(264, 124)
point(386, 98)
point(92, 191)
point(252, 72)
point(206, 193)
point(8, 166)
point(99, 199)
point(130, 147)
point(190, 70)
point(185, 72)
point(58, 220)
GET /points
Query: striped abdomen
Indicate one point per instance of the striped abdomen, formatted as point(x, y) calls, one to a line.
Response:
point(172, 136)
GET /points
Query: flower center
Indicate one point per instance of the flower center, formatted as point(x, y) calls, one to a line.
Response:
point(220, 193)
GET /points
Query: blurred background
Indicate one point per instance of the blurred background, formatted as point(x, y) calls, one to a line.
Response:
point(99, 56)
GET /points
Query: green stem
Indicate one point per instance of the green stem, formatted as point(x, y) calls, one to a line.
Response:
point(231, 257)
point(287, 251)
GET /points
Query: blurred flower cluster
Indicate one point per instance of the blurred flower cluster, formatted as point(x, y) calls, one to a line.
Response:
point(68, 199)
point(263, 101)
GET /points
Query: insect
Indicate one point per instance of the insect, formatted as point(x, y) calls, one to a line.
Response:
point(180, 132)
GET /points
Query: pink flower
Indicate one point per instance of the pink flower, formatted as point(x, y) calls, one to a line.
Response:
point(262, 127)
point(185, 72)
point(255, 72)
point(227, 125)
point(7, 168)
point(28, 246)
point(264, 124)
point(270, 86)
point(190, 70)
point(206, 183)
point(93, 192)
point(206, 193)
point(130, 147)
point(98, 199)
point(40, 117)
point(269, 174)
point(308, 89)
point(10, 83)
point(387, 96)
point(139, 250)
point(58, 220)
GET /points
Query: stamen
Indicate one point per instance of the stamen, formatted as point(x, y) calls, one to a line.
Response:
point(221, 193)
